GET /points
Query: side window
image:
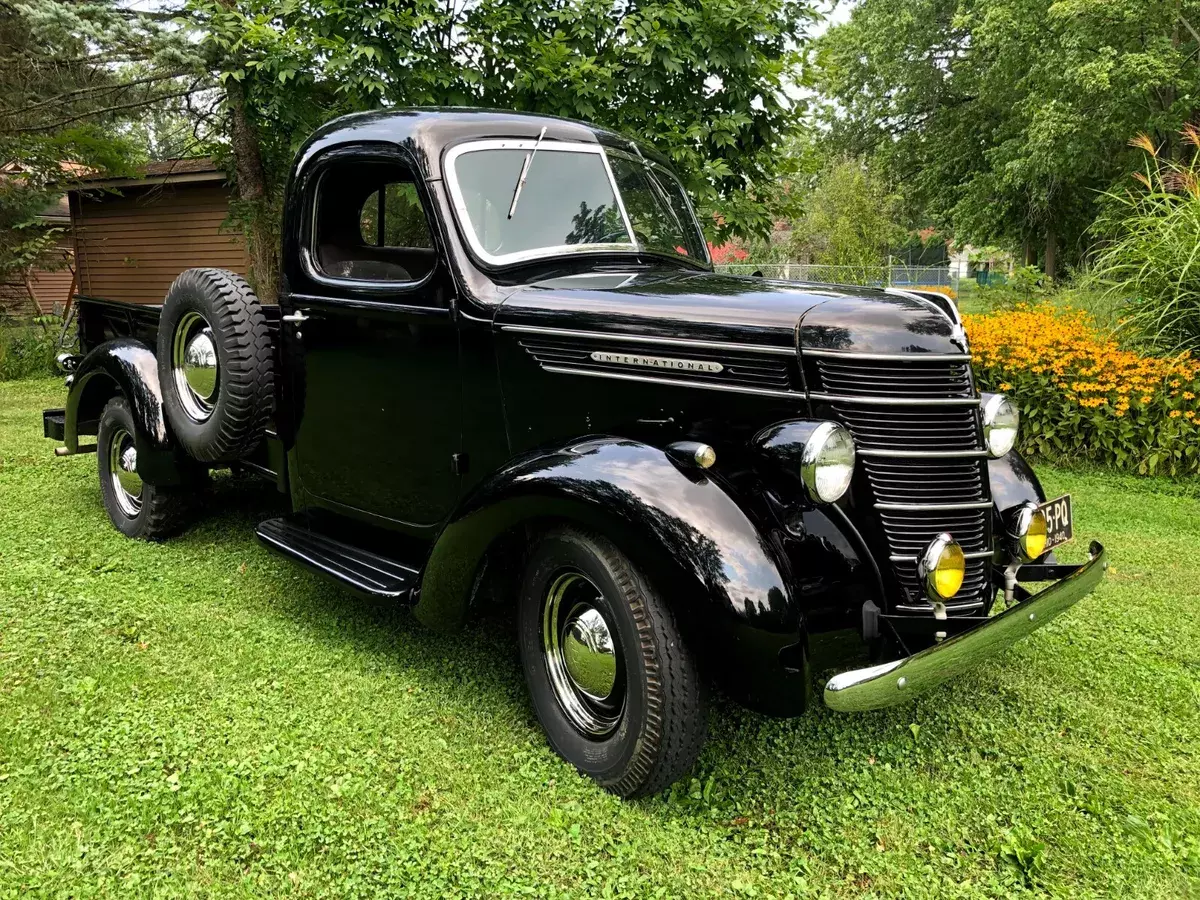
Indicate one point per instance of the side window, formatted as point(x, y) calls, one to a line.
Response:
point(369, 224)
point(394, 217)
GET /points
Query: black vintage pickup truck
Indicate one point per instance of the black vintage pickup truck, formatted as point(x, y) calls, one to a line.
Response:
point(502, 367)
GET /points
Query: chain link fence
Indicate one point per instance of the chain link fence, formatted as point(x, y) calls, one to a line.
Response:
point(867, 276)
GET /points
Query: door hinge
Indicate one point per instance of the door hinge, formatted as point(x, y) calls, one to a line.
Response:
point(459, 463)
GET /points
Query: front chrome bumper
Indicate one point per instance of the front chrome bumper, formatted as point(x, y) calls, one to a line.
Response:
point(894, 682)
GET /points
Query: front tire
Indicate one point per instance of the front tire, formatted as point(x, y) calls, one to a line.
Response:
point(612, 681)
point(137, 509)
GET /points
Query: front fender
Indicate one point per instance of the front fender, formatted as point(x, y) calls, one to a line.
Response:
point(126, 367)
point(1013, 482)
point(684, 527)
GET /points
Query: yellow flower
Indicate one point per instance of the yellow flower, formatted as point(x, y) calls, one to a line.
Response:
point(1174, 414)
point(1005, 386)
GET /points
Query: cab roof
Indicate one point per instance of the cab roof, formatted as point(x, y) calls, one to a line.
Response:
point(427, 131)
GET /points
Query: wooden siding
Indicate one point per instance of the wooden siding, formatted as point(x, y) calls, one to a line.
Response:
point(50, 286)
point(132, 246)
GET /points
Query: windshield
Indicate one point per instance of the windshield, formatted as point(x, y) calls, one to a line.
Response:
point(573, 197)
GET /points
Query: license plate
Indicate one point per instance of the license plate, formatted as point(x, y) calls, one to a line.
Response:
point(1059, 529)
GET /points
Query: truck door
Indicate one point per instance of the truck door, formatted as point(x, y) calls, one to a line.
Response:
point(372, 347)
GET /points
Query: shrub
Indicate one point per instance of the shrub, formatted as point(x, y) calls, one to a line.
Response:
point(27, 350)
point(1084, 397)
point(1152, 260)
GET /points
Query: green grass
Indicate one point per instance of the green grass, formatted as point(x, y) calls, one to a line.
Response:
point(200, 718)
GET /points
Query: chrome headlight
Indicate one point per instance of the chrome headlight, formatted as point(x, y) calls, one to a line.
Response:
point(942, 568)
point(1029, 532)
point(828, 462)
point(1001, 419)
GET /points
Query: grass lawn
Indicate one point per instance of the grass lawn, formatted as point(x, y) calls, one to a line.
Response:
point(201, 718)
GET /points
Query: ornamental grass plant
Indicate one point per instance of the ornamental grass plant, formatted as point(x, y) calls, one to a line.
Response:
point(1151, 256)
point(1085, 398)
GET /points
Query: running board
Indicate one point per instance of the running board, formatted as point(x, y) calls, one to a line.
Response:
point(360, 570)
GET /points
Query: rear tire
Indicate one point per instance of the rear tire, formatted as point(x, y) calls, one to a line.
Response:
point(612, 681)
point(215, 364)
point(137, 509)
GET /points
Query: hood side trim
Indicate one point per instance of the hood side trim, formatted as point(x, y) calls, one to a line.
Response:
point(649, 339)
point(675, 382)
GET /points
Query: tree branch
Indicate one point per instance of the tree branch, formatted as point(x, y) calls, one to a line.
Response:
point(91, 89)
point(120, 107)
point(1188, 26)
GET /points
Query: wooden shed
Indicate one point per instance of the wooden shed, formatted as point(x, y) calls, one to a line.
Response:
point(134, 235)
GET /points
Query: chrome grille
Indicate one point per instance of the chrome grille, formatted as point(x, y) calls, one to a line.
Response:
point(916, 428)
point(864, 378)
point(919, 478)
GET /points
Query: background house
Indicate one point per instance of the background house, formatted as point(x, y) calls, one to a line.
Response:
point(133, 236)
point(43, 288)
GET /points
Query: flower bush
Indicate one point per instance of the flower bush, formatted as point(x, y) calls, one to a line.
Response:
point(1083, 397)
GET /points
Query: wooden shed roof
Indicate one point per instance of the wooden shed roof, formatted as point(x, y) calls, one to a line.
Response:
point(166, 171)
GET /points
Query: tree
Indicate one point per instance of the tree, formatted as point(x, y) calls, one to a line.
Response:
point(1007, 118)
point(71, 76)
point(850, 220)
point(703, 81)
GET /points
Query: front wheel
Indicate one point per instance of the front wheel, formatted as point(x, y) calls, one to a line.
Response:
point(137, 509)
point(612, 681)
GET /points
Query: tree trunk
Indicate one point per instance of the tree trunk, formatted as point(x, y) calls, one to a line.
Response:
point(253, 194)
point(1051, 254)
point(1027, 251)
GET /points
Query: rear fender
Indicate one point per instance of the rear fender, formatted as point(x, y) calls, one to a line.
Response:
point(694, 541)
point(126, 367)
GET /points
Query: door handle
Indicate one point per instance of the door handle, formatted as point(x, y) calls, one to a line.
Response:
point(297, 317)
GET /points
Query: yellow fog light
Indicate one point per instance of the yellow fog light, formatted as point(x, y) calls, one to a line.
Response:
point(942, 567)
point(1029, 530)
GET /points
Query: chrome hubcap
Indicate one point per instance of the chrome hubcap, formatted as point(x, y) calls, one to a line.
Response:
point(582, 656)
point(194, 365)
point(122, 467)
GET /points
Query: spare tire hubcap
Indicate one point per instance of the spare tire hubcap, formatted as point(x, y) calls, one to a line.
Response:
point(194, 364)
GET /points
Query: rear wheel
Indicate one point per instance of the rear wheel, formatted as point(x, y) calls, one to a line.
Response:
point(137, 509)
point(612, 682)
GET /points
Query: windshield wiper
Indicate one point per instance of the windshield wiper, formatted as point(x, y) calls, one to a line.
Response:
point(525, 171)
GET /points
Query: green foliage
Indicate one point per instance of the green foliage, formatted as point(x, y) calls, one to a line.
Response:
point(1151, 258)
point(1025, 285)
point(702, 81)
point(30, 349)
point(850, 219)
point(1005, 118)
point(202, 719)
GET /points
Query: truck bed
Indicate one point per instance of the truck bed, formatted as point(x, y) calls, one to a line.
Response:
point(102, 320)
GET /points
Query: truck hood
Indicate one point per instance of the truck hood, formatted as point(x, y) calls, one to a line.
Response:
point(712, 307)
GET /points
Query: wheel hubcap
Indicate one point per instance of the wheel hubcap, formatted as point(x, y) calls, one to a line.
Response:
point(582, 655)
point(122, 467)
point(194, 364)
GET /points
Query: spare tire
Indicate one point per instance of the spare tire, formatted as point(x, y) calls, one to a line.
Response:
point(215, 364)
